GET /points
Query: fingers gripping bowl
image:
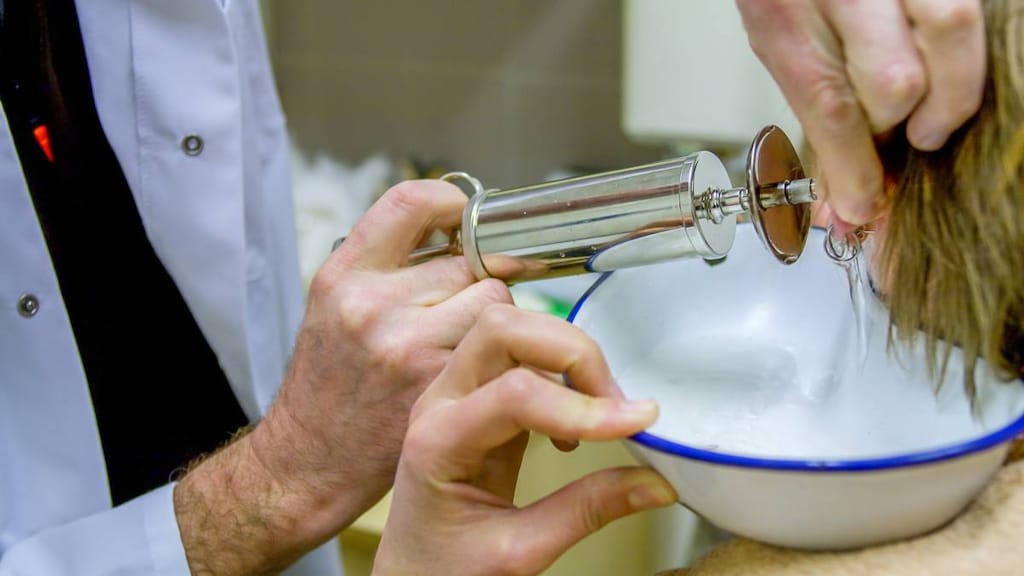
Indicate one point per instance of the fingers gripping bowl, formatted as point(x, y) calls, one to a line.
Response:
point(775, 424)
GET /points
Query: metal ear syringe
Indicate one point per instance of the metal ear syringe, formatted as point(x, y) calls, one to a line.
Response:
point(680, 208)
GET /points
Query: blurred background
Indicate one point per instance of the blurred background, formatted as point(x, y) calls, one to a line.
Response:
point(514, 92)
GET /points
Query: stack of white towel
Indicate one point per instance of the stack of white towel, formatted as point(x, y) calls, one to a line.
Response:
point(330, 196)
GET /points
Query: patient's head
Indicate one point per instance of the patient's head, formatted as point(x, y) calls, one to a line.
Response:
point(953, 252)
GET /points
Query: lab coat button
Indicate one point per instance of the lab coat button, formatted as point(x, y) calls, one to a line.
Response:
point(192, 144)
point(28, 305)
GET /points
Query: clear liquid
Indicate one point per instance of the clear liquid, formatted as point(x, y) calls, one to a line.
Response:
point(849, 254)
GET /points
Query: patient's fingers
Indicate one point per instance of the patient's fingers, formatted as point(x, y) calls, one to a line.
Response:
point(520, 399)
point(585, 506)
point(506, 337)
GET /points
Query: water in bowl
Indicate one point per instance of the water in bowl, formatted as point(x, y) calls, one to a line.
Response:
point(736, 395)
point(752, 396)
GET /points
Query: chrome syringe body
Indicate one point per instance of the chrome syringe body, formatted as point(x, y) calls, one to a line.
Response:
point(680, 208)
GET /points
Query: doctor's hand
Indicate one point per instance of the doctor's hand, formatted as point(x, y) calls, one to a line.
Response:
point(853, 71)
point(452, 511)
point(375, 333)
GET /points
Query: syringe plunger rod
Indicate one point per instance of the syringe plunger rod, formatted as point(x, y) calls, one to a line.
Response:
point(790, 192)
point(721, 203)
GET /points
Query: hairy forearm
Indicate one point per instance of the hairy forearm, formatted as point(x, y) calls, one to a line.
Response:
point(244, 510)
point(232, 516)
point(278, 491)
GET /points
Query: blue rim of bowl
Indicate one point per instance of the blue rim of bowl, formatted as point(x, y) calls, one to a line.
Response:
point(1000, 436)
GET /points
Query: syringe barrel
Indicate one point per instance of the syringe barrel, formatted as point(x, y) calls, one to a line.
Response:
point(630, 217)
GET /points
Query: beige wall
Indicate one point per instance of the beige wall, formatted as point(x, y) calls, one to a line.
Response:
point(508, 90)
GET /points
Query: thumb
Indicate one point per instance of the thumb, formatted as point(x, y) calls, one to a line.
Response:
point(584, 507)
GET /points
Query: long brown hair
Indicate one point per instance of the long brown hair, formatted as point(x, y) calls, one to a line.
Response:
point(953, 256)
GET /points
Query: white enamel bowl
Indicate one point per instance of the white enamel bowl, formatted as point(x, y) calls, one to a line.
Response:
point(774, 424)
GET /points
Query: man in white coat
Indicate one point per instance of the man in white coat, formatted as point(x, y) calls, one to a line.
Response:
point(150, 297)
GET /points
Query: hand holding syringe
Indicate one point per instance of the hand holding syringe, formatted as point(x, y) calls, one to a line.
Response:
point(679, 208)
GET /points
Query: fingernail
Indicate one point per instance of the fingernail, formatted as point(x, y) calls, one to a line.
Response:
point(652, 492)
point(640, 409)
point(927, 140)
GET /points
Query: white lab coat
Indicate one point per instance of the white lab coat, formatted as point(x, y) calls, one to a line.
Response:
point(221, 223)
